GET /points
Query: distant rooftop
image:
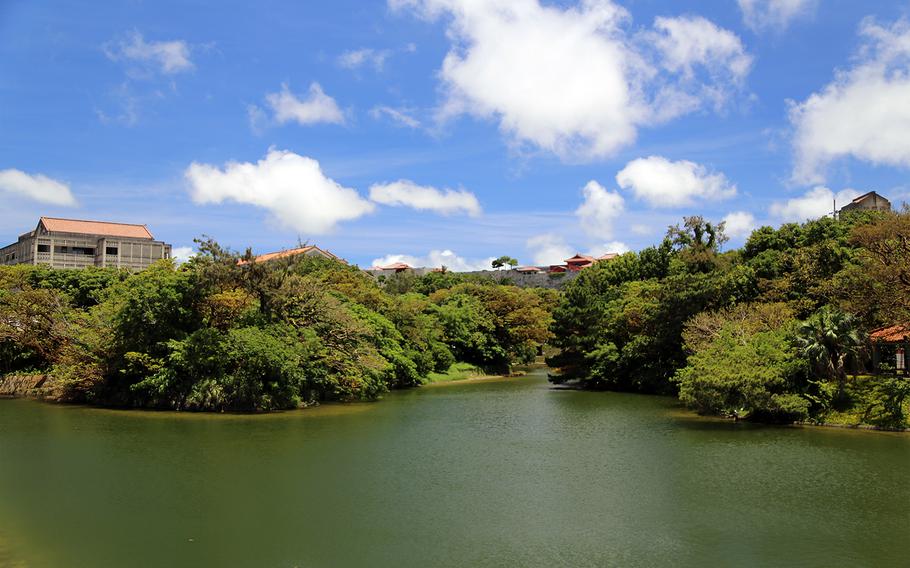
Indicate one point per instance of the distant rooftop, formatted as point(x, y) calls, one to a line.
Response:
point(294, 252)
point(393, 266)
point(891, 334)
point(105, 228)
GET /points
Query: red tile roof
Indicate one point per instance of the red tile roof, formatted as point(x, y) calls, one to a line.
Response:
point(104, 228)
point(393, 266)
point(581, 257)
point(892, 334)
point(293, 252)
point(608, 256)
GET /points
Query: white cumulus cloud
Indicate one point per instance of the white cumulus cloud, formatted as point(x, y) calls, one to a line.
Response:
point(774, 14)
point(313, 108)
point(864, 113)
point(617, 247)
point(423, 197)
point(815, 203)
point(168, 57)
point(599, 210)
point(548, 249)
point(37, 187)
point(664, 183)
point(292, 187)
point(437, 259)
point(182, 254)
point(739, 224)
point(577, 81)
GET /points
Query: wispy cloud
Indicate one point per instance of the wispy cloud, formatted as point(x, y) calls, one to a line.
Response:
point(399, 116)
point(167, 57)
point(368, 57)
point(150, 68)
point(760, 15)
point(357, 58)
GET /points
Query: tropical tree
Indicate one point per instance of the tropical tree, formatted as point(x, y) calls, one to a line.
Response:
point(827, 340)
point(504, 261)
point(698, 242)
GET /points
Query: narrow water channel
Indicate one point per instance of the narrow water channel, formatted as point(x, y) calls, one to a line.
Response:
point(487, 473)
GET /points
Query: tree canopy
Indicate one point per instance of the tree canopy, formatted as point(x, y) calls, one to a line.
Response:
point(224, 332)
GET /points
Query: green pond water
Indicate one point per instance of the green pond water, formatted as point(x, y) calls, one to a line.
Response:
point(488, 473)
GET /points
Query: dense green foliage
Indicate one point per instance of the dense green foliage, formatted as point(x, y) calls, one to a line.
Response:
point(223, 332)
point(769, 331)
point(772, 331)
point(742, 364)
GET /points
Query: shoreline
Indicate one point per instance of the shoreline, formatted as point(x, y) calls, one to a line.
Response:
point(36, 388)
point(473, 379)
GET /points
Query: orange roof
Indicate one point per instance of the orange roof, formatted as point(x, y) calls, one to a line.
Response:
point(293, 252)
point(892, 334)
point(128, 230)
point(608, 256)
point(582, 257)
point(394, 266)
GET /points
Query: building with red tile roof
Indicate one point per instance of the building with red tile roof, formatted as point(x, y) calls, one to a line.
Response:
point(394, 267)
point(309, 250)
point(891, 334)
point(79, 243)
point(579, 262)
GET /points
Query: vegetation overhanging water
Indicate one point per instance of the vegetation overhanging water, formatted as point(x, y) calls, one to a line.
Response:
point(771, 332)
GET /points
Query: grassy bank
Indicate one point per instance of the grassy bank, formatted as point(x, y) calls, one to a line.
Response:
point(457, 372)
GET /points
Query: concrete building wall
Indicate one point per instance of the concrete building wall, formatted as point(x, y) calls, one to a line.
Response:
point(868, 202)
point(65, 250)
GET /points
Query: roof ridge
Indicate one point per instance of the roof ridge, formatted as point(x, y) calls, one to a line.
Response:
point(93, 221)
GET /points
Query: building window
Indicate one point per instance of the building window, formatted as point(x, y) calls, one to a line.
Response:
point(111, 251)
point(87, 251)
point(44, 248)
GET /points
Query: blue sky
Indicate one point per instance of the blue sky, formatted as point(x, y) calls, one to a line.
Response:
point(448, 130)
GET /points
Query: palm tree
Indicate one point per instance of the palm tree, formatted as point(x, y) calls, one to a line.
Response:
point(827, 339)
